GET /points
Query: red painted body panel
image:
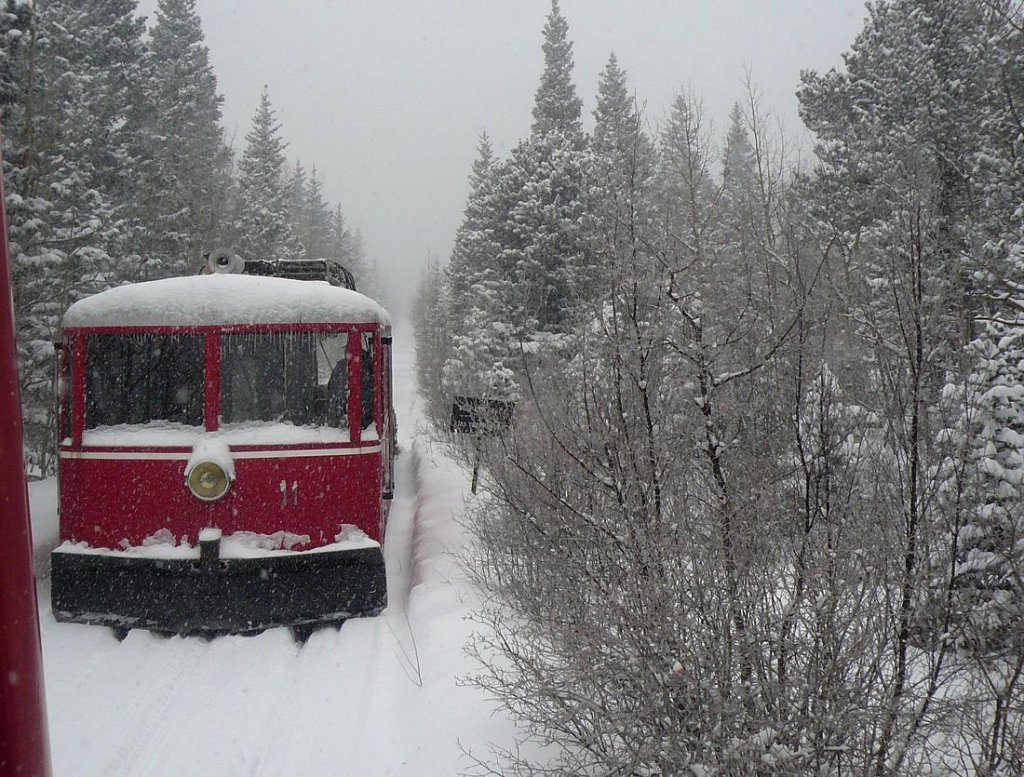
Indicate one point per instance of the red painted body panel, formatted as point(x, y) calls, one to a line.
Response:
point(114, 496)
point(106, 502)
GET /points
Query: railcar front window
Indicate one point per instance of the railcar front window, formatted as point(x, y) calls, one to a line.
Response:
point(292, 377)
point(137, 379)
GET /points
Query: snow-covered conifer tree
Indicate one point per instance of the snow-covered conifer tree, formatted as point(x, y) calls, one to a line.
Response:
point(475, 249)
point(20, 92)
point(543, 182)
point(78, 146)
point(899, 138)
point(183, 194)
point(556, 106)
point(340, 241)
point(738, 181)
point(27, 206)
point(478, 343)
point(687, 194)
point(483, 359)
point(618, 178)
point(998, 161)
point(712, 542)
point(262, 220)
point(989, 564)
point(316, 227)
point(296, 199)
point(905, 195)
point(431, 330)
point(355, 258)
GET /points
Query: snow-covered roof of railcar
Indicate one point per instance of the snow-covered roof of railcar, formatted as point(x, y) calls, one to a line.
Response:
point(222, 300)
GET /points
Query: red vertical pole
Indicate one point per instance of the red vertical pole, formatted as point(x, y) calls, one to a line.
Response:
point(355, 385)
point(24, 742)
point(77, 389)
point(211, 383)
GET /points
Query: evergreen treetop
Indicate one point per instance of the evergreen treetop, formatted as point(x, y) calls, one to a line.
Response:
point(557, 108)
point(185, 189)
point(622, 153)
point(317, 218)
point(613, 116)
point(263, 223)
point(263, 160)
point(474, 249)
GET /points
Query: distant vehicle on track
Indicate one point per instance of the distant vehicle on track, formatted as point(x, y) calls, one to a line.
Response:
point(226, 451)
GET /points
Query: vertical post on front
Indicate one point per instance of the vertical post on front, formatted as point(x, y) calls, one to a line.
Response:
point(24, 741)
point(355, 386)
point(211, 382)
point(78, 365)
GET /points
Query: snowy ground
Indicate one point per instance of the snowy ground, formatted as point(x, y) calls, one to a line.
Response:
point(382, 696)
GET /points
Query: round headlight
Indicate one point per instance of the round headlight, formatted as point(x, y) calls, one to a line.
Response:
point(208, 481)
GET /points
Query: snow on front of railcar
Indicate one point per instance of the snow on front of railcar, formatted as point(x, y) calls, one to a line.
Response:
point(225, 455)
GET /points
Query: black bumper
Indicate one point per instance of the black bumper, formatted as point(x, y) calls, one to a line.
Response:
point(217, 595)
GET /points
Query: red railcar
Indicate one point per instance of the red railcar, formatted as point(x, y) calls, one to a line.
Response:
point(226, 446)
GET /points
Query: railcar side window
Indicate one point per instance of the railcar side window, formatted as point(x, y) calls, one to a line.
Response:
point(366, 359)
point(295, 377)
point(136, 379)
point(332, 379)
point(64, 391)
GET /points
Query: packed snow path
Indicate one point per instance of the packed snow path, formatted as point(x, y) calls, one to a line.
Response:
point(381, 696)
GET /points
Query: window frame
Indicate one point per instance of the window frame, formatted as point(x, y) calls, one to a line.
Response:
point(76, 342)
point(118, 402)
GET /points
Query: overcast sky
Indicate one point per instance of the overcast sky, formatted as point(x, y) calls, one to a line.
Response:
point(388, 97)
